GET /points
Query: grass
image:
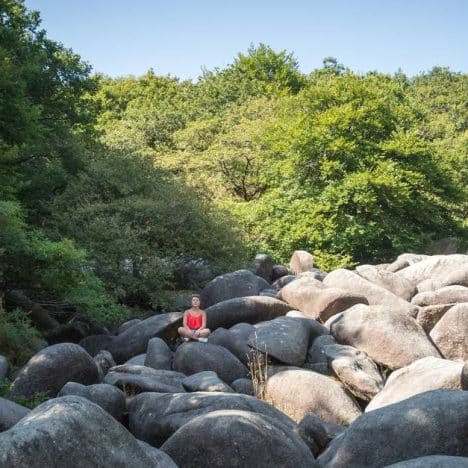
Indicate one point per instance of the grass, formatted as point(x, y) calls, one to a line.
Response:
point(30, 403)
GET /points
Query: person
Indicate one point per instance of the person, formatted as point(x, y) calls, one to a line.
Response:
point(194, 323)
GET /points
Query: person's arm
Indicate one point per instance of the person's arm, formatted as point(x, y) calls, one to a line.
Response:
point(184, 321)
point(203, 325)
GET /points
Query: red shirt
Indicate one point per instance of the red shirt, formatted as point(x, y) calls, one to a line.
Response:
point(194, 322)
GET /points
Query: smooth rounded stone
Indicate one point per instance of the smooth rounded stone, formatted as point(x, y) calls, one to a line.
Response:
point(399, 286)
point(159, 457)
point(301, 261)
point(263, 266)
point(316, 352)
point(405, 260)
point(52, 367)
point(158, 354)
point(269, 292)
point(193, 357)
point(239, 283)
point(425, 424)
point(433, 461)
point(464, 377)
point(138, 360)
point(297, 292)
point(450, 334)
point(295, 313)
point(126, 325)
point(390, 337)
point(428, 316)
point(284, 281)
point(234, 438)
point(284, 338)
point(446, 295)
point(154, 417)
point(319, 367)
point(206, 381)
point(10, 413)
point(74, 432)
point(244, 386)
point(278, 272)
point(234, 341)
point(108, 397)
point(105, 361)
point(290, 391)
point(356, 371)
point(435, 267)
point(428, 285)
point(95, 343)
point(375, 294)
point(251, 309)
point(423, 375)
point(456, 277)
point(4, 367)
point(318, 433)
point(145, 379)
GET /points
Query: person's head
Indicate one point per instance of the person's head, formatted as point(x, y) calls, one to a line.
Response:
point(195, 300)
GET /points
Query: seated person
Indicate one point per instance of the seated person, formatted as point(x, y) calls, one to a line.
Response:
point(194, 324)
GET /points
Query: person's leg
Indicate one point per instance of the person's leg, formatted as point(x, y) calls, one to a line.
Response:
point(185, 332)
point(204, 332)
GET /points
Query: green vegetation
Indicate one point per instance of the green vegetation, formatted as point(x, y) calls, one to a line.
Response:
point(108, 185)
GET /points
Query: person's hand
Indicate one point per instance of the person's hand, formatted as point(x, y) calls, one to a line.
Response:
point(197, 333)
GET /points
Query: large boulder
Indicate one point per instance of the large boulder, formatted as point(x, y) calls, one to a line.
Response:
point(445, 295)
point(301, 261)
point(390, 337)
point(234, 340)
point(3, 367)
point(206, 381)
point(428, 316)
point(154, 417)
point(93, 344)
point(10, 413)
point(239, 283)
point(158, 354)
point(145, 379)
point(458, 276)
point(284, 338)
point(108, 397)
point(138, 360)
point(193, 357)
point(450, 334)
point(405, 260)
point(433, 461)
point(263, 266)
point(421, 376)
point(52, 367)
point(105, 361)
point(290, 390)
point(396, 284)
point(251, 309)
point(244, 386)
point(278, 272)
point(74, 432)
point(233, 438)
point(126, 325)
point(426, 424)
point(375, 294)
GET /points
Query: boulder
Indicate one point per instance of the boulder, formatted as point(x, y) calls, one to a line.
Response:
point(425, 424)
point(126, 325)
point(234, 438)
point(138, 360)
point(450, 334)
point(3, 367)
point(290, 391)
point(423, 375)
point(301, 261)
point(394, 283)
point(433, 461)
point(154, 417)
point(52, 367)
point(284, 338)
point(269, 292)
point(428, 316)
point(405, 260)
point(206, 381)
point(144, 379)
point(375, 294)
point(240, 283)
point(252, 309)
point(158, 355)
point(283, 281)
point(316, 353)
point(390, 337)
point(10, 413)
point(427, 285)
point(193, 357)
point(278, 272)
point(234, 340)
point(105, 361)
point(263, 266)
point(95, 343)
point(446, 295)
point(108, 397)
point(74, 432)
point(456, 277)
point(244, 386)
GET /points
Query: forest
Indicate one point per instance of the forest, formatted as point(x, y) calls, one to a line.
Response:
point(113, 190)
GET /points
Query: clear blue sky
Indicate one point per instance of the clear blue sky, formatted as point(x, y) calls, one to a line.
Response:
point(178, 37)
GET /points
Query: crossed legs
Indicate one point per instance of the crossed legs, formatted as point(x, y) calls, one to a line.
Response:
point(188, 333)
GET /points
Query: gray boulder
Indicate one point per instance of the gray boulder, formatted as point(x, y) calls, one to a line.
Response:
point(316, 356)
point(52, 367)
point(426, 424)
point(3, 367)
point(234, 340)
point(239, 283)
point(290, 391)
point(445, 295)
point(233, 438)
point(154, 417)
point(87, 435)
point(105, 361)
point(158, 355)
point(283, 281)
point(433, 461)
point(95, 343)
point(126, 325)
point(421, 376)
point(252, 309)
point(193, 357)
point(301, 261)
point(389, 336)
point(138, 360)
point(144, 379)
point(10, 413)
point(263, 266)
point(108, 397)
point(450, 334)
point(244, 386)
point(278, 272)
point(206, 381)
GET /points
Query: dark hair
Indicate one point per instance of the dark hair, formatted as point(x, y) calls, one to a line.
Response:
point(195, 296)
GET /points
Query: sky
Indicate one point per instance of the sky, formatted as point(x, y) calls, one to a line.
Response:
point(180, 37)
